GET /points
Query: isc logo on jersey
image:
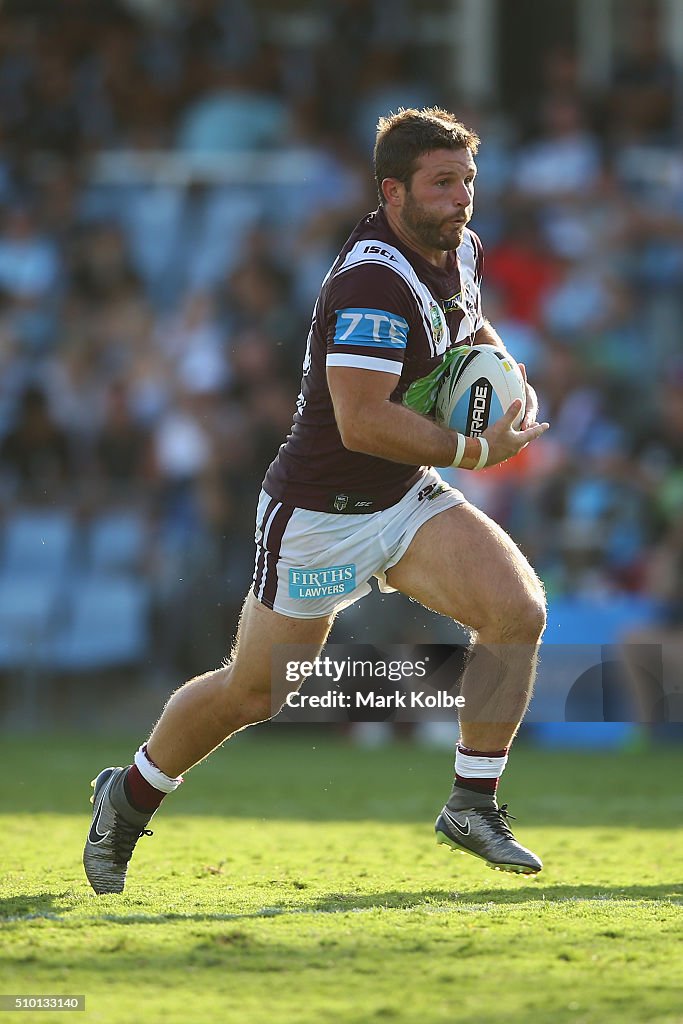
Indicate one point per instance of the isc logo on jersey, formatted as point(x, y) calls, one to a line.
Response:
point(374, 327)
point(379, 251)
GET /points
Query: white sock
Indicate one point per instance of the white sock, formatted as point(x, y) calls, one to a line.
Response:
point(154, 775)
point(479, 766)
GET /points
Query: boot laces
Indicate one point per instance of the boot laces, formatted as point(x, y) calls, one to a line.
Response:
point(125, 837)
point(497, 818)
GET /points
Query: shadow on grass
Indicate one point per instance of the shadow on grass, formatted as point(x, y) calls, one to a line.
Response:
point(58, 906)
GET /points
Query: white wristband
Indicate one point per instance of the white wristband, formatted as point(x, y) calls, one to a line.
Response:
point(484, 455)
point(459, 451)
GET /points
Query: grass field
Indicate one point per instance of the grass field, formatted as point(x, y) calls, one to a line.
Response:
point(295, 879)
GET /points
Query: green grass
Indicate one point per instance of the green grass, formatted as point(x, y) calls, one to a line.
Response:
point(295, 880)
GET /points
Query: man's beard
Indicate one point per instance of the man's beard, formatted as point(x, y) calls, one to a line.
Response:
point(431, 231)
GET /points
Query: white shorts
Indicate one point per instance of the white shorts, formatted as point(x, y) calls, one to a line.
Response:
point(311, 564)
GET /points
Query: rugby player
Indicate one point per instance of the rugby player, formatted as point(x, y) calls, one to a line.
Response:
point(354, 486)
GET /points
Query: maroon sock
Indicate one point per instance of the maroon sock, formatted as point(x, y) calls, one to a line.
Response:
point(140, 794)
point(478, 785)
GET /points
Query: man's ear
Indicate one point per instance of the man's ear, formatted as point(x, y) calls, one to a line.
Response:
point(393, 191)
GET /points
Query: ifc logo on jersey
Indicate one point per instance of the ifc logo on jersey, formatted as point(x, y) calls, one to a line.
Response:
point(478, 388)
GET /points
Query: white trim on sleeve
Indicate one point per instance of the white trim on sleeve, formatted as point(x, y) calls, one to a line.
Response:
point(365, 362)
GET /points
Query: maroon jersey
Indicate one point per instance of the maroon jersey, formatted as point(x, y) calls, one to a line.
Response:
point(382, 307)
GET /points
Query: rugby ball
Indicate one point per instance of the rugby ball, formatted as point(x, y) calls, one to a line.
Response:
point(477, 389)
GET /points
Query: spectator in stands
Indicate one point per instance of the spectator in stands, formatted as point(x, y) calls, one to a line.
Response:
point(521, 267)
point(564, 161)
point(642, 97)
point(51, 114)
point(255, 300)
point(36, 455)
point(657, 448)
point(232, 114)
point(182, 453)
point(122, 451)
point(193, 345)
point(356, 31)
point(224, 30)
point(29, 262)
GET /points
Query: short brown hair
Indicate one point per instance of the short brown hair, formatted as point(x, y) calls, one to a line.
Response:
point(404, 137)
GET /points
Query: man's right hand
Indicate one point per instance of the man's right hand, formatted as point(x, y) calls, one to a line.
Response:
point(504, 441)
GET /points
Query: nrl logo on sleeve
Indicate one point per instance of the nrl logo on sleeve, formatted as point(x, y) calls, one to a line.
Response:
point(340, 502)
point(437, 321)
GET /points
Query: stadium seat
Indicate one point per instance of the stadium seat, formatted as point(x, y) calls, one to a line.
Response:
point(28, 606)
point(116, 541)
point(579, 620)
point(107, 626)
point(38, 542)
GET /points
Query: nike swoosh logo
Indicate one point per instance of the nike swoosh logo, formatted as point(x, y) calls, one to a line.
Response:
point(454, 821)
point(95, 836)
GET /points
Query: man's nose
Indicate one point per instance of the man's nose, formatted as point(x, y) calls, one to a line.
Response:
point(462, 195)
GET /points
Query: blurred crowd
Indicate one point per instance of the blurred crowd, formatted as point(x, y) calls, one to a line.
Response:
point(154, 312)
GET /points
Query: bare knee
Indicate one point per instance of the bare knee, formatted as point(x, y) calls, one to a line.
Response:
point(518, 615)
point(526, 616)
point(534, 614)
